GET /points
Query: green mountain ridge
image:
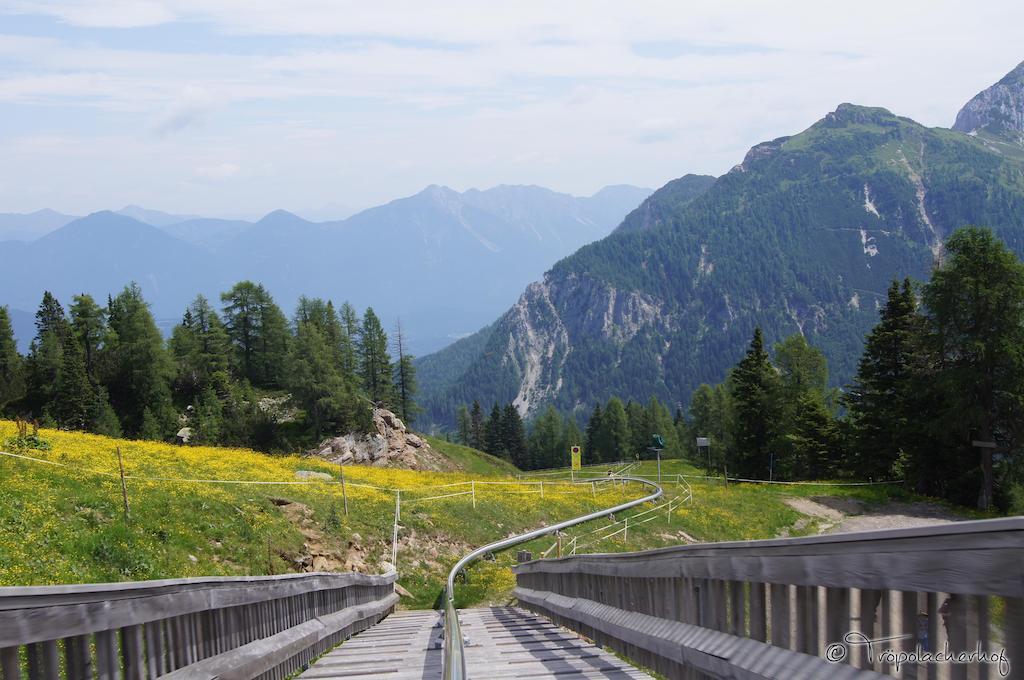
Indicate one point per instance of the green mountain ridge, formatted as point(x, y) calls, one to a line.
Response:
point(803, 236)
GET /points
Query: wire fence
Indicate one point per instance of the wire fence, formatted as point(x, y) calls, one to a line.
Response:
point(403, 496)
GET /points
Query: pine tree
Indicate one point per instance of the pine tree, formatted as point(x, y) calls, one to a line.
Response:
point(405, 379)
point(494, 440)
point(615, 438)
point(316, 383)
point(593, 450)
point(375, 362)
point(74, 398)
point(12, 366)
point(476, 427)
point(89, 324)
point(754, 387)
point(138, 369)
point(803, 376)
point(45, 358)
point(258, 331)
point(50, 317)
point(463, 425)
point(975, 314)
point(201, 351)
point(879, 401)
point(514, 438)
point(349, 342)
point(546, 442)
point(814, 439)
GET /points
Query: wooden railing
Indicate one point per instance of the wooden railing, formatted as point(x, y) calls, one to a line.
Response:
point(228, 628)
point(801, 607)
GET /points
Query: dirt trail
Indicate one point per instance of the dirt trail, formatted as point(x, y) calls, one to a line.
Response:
point(840, 515)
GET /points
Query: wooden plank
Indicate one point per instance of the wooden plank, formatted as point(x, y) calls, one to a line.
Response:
point(263, 655)
point(23, 624)
point(780, 615)
point(10, 663)
point(50, 660)
point(107, 666)
point(983, 562)
point(709, 652)
point(758, 612)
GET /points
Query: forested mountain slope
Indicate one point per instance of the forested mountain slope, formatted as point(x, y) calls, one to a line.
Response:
point(803, 236)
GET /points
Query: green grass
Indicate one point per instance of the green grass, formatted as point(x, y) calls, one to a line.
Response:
point(66, 524)
point(472, 461)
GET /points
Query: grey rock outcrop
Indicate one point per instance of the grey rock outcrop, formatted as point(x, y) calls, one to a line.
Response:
point(388, 444)
point(998, 110)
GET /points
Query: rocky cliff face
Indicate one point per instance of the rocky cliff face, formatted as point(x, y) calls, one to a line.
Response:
point(803, 236)
point(390, 444)
point(997, 111)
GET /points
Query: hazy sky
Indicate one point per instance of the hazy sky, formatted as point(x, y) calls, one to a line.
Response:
point(236, 107)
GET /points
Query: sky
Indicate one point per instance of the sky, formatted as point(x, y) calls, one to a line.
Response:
point(239, 107)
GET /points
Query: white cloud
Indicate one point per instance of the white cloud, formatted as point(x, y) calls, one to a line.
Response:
point(357, 103)
point(220, 172)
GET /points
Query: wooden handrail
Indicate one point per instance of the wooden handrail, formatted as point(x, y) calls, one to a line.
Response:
point(237, 627)
point(959, 583)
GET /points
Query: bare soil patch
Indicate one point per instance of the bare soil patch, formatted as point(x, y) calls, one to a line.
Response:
point(841, 515)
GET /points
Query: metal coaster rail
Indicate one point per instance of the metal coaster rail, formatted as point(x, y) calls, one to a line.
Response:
point(454, 664)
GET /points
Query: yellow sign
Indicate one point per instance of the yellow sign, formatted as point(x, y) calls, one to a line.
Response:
point(577, 458)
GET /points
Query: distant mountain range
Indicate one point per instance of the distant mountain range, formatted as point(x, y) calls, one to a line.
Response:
point(803, 236)
point(443, 261)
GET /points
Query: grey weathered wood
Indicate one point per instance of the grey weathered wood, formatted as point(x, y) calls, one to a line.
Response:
point(50, 660)
point(107, 667)
point(779, 603)
point(985, 561)
point(78, 657)
point(133, 653)
point(932, 600)
point(908, 627)
point(10, 664)
point(869, 600)
point(262, 655)
point(712, 653)
point(758, 612)
point(146, 630)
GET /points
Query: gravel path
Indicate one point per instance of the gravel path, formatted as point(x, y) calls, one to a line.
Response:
point(840, 515)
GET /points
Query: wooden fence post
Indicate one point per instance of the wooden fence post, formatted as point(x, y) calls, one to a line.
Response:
point(344, 491)
point(124, 487)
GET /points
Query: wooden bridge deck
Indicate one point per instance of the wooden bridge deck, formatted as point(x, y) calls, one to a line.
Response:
point(504, 642)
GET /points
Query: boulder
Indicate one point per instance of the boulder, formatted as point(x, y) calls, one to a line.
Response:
point(389, 443)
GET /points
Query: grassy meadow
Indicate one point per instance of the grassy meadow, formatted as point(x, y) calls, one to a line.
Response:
point(62, 520)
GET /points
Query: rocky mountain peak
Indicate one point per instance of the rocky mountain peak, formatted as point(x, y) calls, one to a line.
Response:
point(997, 111)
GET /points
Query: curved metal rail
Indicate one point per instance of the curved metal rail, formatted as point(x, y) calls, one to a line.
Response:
point(454, 659)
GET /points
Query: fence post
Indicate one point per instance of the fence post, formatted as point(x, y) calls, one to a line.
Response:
point(394, 537)
point(344, 492)
point(124, 487)
point(474, 493)
point(625, 532)
point(593, 489)
point(542, 489)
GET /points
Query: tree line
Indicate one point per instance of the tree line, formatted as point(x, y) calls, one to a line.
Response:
point(937, 401)
point(245, 375)
point(614, 432)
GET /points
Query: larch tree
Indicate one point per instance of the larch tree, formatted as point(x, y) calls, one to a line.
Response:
point(12, 366)
point(375, 361)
